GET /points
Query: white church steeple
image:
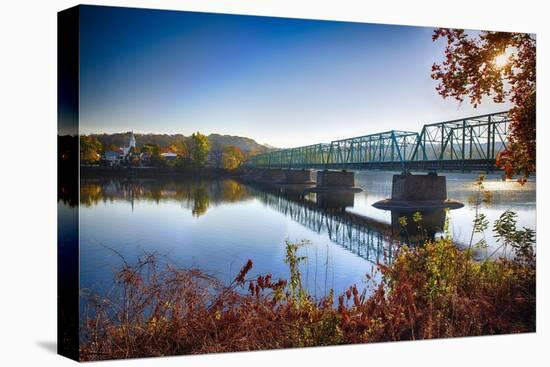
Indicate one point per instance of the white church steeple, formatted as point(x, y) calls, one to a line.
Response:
point(127, 149)
point(132, 140)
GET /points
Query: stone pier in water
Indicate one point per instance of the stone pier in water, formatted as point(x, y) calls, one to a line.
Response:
point(335, 181)
point(298, 176)
point(418, 192)
point(280, 176)
point(272, 175)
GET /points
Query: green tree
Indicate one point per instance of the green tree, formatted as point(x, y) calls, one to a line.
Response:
point(148, 148)
point(180, 148)
point(199, 149)
point(90, 149)
point(501, 65)
point(157, 159)
point(232, 157)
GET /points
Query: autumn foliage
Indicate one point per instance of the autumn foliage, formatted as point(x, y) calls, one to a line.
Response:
point(469, 70)
point(432, 291)
point(232, 157)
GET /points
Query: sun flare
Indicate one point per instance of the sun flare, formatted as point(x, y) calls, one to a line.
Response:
point(501, 60)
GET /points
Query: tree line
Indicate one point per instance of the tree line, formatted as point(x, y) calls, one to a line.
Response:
point(197, 151)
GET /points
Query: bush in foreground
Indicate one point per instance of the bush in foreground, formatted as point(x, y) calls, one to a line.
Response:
point(432, 291)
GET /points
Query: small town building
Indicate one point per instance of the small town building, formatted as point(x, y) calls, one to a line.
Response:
point(169, 156)
point(113, 158)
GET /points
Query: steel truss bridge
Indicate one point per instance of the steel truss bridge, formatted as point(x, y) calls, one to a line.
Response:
point(464, 145)
point(365, 237)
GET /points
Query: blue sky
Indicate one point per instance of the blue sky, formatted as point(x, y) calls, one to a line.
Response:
point(285, 82)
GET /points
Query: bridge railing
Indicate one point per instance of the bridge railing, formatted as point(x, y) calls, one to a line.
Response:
point(478, 139)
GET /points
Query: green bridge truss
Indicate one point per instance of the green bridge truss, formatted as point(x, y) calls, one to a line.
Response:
point(468, 144)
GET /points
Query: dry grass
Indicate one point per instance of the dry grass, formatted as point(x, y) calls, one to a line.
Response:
point(433, 291)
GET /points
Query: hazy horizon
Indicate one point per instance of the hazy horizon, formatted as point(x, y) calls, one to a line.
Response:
point(280, 81)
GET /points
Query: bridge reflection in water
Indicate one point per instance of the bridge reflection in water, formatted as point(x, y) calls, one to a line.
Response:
point(372, 240)
point(323, 213)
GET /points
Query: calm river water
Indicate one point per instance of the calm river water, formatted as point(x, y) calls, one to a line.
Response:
point(217, 225)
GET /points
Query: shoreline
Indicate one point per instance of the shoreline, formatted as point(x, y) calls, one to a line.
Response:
point(87, 171)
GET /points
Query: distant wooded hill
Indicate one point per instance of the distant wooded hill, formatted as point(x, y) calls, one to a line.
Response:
point(218, 142)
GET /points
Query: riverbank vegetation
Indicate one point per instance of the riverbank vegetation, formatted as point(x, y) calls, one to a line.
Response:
point(179, 152)
point(429, 291)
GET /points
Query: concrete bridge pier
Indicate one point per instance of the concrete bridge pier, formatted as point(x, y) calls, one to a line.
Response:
point(419, 187)
point(418, 192)
point(253, 175)
point(340, 179)
point(272, 175)
point(335, 181)
point(295, 176)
